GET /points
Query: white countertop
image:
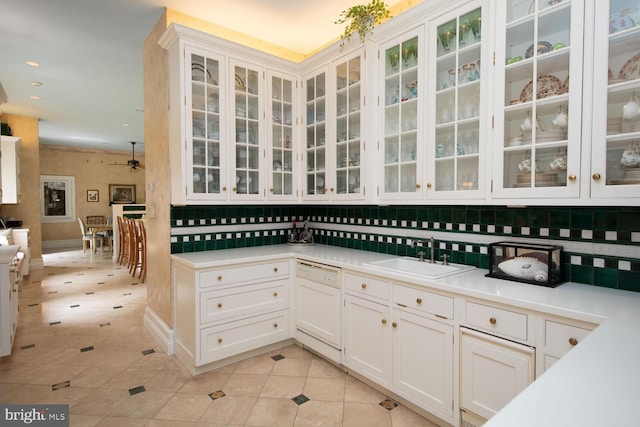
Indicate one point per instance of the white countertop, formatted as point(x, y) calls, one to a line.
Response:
point(596, 384)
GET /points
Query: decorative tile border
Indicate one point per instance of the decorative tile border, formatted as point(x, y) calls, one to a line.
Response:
point(601, 244)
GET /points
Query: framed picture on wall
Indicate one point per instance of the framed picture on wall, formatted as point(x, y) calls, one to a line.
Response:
point(122, 193)
point(93, 196)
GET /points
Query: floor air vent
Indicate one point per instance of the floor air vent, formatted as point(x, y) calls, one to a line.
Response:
point(469, 419)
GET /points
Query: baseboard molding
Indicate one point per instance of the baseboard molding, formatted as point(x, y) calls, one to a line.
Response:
point(159, 330)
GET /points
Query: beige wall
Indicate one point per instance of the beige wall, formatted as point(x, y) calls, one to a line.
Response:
point(156, 137)
point(28, 211)
point(93, 170)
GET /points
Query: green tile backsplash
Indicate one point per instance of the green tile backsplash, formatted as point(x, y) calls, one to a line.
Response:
point(388, 229)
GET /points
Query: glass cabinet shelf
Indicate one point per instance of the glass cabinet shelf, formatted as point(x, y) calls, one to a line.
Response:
point(315, 135)
point(538, 120)
point(400, 117)
point(205, 125)
point(458, 51)
point(282, 136)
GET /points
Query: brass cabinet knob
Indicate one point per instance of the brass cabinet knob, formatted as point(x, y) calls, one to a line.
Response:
point(275, 325)
point(417, 186)
point(384, 321)
point(275, 294)
point(219, 305)
point(331, 189)
point(219, 340)
point(364, 286)
point(219, 278)
point(233, 189)
point(596, 176)
point(271, 190)
point(394, 324)
point(224, 188)
point(419, 300)
point(429, 185)
point(572, 177)
point(493, 321)
point(275, 269)
point(573, 341)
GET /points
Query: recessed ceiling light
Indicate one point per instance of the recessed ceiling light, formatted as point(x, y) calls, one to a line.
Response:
point(33, 63)
point(34, 97)
point(36, 84)
point(125, 124)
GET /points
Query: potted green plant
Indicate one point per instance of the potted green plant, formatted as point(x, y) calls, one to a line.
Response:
point(362, 18)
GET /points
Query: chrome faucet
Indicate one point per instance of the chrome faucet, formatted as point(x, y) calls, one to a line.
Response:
point(415, 243)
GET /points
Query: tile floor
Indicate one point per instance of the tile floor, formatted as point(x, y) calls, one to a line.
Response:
point(81, 342)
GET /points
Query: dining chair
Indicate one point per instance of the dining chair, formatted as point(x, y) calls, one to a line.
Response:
point(123, 245)
point(87, 238)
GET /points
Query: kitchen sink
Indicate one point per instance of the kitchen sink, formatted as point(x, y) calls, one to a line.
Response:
point(415, 267)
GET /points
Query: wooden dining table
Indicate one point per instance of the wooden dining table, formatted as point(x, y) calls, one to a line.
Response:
point(94, 229)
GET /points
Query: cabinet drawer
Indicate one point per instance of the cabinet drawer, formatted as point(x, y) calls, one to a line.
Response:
point(497, 320)
point(229, 339)
point(365, 285)
point(424, 301)
point(244, 300)
point(561, 337)
point(244, 274)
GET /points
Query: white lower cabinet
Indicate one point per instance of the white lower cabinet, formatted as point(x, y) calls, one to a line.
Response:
point(367, 339)
point(423, 362)
point(9, 287)
point(492, 371)
point(561, 336)
point(229, 339)
point(223, 312)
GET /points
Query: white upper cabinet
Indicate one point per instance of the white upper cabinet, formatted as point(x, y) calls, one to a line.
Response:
point(615, 156)
point(315, 135)
point(205, 112)
point(346, 175)
point(458, 113)
point(247, 132)
point(400, 139)
point(283, 138)
point(538, 108)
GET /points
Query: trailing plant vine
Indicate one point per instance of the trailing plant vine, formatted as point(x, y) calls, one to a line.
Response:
point(362, 18)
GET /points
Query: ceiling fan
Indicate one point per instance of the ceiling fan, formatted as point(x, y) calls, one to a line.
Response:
point(133, 163)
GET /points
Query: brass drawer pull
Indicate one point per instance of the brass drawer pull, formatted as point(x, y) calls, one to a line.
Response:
point(384, 321)
point(364, 286)
point(219, 305)
point(275, 269)
point(219, 278)
point(219, 340)
point(394, 324)
point(493, 320)
point(275, 325)
point(419, 300)
point(573, 341)
point(275, 294)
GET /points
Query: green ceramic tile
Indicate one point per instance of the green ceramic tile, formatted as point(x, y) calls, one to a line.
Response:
point(487, 216)
point(582, 274)
point(605, 277)
point(582, 219)
point(604, 219)
point(539, 217)
point(629, 281)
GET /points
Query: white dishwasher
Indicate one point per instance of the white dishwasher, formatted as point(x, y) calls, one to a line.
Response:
point(318, 314)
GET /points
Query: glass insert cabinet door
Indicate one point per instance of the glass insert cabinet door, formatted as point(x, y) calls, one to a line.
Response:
point(615, 169)
point(315, 135)
point(540, 148)
point(457, 42)
point(401, 111)
point(205, 151)
point(282, 136)
point(246, 129)
point(348, 126)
